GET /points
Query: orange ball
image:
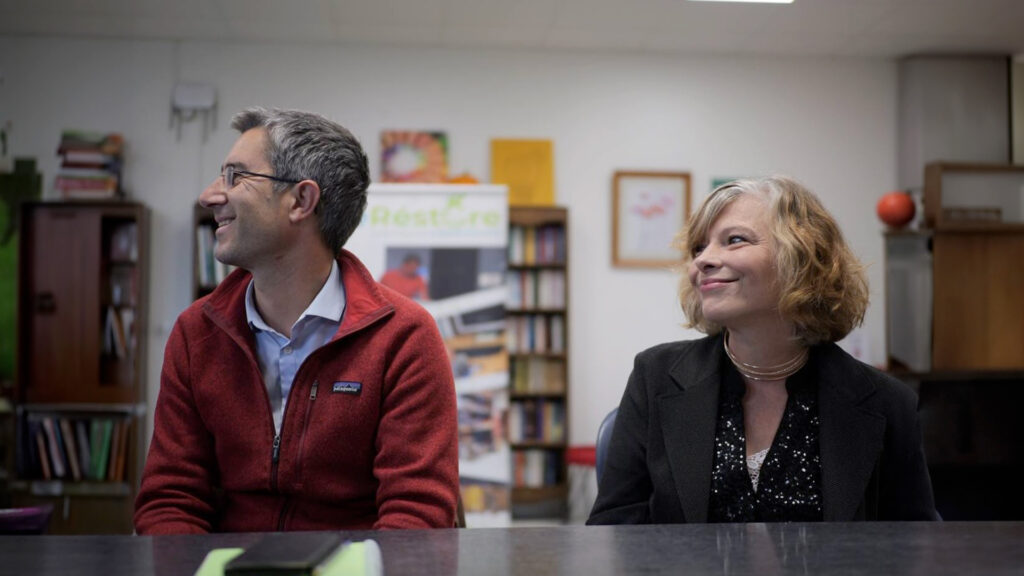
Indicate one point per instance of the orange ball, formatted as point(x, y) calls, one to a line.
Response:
point(895, 209)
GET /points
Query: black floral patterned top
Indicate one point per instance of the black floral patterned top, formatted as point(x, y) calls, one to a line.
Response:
point(789, 487)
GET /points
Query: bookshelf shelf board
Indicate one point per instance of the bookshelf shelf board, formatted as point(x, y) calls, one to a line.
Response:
point(556, 395)
point(527, 494)
point(528, 445)
point(535, 310)
point(67, 488)
point(84, 408)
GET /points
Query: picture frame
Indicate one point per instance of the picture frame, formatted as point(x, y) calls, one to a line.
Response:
point(648, 210)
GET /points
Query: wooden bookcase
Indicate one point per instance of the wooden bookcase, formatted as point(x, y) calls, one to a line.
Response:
point(955, 332)
point(538, 319)
point(82, 328)
point(959, 281)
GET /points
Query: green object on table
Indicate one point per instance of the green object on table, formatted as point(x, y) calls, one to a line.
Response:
point(213, 564)
point(351, 559)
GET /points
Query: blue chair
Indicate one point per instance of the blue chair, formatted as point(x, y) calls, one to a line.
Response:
point(604, 438)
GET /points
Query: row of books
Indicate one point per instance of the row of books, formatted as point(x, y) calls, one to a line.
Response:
point(536, 333)
point(536, 468)
point(536, 244)
point(536, 289)
point(536, 420)
point(211, 271)
point(538, 375)
point(77, 449)
point(90, 165)
point(119, 335)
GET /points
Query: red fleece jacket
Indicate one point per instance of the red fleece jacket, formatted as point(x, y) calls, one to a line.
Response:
point(368, 437)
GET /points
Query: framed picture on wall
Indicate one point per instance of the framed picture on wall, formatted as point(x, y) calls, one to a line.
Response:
point(648, 210)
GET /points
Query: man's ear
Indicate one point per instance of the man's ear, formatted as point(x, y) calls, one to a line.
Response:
point(305, 199)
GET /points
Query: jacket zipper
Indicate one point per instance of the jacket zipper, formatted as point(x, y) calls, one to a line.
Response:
point(305, 427)
point(275, 455)
point(284, 515)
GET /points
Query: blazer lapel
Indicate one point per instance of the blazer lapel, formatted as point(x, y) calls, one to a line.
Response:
point(688, 417)
point(852, 436)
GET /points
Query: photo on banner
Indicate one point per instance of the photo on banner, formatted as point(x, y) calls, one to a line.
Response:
point(445, 246)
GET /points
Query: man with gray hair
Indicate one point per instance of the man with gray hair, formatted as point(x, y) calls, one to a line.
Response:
point(300, 394)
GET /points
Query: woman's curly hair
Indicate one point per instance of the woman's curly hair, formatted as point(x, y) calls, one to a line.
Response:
point(823, 289)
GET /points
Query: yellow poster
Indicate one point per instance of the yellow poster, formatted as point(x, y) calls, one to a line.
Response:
point(527, 168)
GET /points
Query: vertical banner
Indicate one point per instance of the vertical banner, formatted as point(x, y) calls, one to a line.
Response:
point(445, 246)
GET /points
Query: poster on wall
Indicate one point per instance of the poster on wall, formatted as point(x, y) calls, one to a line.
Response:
point(445, 246)
point(413, 156)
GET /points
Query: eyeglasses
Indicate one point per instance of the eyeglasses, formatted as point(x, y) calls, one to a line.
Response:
point(231, 174)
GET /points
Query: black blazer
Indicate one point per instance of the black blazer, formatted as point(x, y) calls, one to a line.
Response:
point(658, 468)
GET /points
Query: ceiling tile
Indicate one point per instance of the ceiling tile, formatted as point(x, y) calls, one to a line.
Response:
point(498, 13)
point(946, 18)
point(906, 44)
point(505, 36)
point(272, 12)
point(408, 35)
point(387, 13)
point(865, 27)
point(590, 39)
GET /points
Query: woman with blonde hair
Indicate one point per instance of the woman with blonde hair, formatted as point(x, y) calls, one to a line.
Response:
point(765, 419)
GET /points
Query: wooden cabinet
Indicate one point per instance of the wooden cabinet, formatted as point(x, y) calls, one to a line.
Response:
point(979, 300)
point(955, 332)
point(80, 392)
point(955, 290)
point(538, 318)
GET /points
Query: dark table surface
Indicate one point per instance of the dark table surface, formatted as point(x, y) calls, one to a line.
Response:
point(878, 548)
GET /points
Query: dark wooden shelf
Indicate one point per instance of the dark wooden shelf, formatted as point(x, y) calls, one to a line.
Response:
point(537, 444)
point(527, 494)
point(981, 376)
point(68, 487)
point(75, 260)
point(518, 395)
point(85, 408)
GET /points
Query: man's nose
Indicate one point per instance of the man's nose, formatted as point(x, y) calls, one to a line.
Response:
point(213, 194)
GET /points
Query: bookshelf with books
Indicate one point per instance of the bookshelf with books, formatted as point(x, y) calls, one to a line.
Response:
point(538, 313)
point(207, 271)
point(80, 395)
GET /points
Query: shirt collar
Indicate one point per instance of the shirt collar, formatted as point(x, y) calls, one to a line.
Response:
point(328, 304)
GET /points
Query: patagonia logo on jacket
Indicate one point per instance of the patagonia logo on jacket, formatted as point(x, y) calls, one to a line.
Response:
point(347, 387)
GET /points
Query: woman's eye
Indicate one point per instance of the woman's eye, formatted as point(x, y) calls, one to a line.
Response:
point(736, 239)
point(697, 250)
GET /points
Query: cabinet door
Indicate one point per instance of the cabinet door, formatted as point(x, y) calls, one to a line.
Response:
point(979, 301)
point(62, 302)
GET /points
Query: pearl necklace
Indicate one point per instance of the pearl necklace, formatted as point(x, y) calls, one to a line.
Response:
point(761, 373)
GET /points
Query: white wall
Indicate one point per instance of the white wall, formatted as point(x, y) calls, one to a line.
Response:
point(829, 122)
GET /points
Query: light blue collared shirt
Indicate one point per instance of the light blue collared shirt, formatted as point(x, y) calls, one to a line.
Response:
point(280, 358)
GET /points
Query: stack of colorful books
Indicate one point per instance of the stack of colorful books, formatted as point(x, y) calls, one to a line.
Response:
point(90, 165)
